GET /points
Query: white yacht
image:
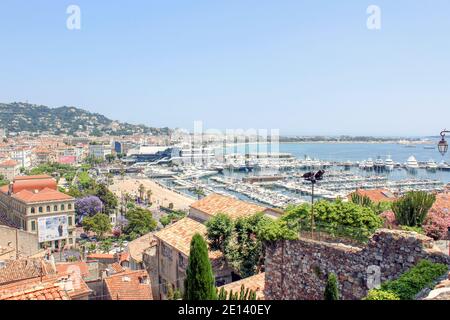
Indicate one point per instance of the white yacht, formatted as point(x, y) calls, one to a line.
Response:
point(431, 165)
point(389, 164)
point(369, 164)
point(412, 164)
point(379, 164)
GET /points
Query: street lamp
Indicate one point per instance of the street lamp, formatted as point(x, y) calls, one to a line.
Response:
point(443, 144)
point(313, 177)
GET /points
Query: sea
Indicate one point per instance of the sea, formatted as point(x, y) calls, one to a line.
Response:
point(358, 152)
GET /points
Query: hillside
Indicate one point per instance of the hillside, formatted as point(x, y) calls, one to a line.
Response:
point(18, 117)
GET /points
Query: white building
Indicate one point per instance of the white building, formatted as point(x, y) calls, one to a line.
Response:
point(99, 151)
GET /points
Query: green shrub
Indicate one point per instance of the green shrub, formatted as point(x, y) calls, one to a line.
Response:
point(412, 209)
point(418, 230)
point(331, 289)
point(419, 277)
point(338, 218)
point(376, 294)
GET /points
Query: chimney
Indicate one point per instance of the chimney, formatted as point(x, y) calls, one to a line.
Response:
point(10, 188)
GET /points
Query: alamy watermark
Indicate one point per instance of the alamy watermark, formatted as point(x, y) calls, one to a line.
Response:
point(211, 146)
point(73, 21)
point(374, 19)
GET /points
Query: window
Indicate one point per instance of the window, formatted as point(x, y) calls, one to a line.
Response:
point(33, 225)
point(70, 221)
point(41, 209)
point(182, 261)
point(69, 206)
point(33, 210)
point(55, 208)
point(166, 252)
point(62, 207)
point(48, 208)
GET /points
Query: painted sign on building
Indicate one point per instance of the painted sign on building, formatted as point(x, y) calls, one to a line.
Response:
point(52, 228)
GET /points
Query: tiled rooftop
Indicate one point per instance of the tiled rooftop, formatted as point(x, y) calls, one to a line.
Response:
point(255, 283)
point(216, 203)
point(179, 235)
point(35, 291)
point(376, 195)
point(136, 247)
point(17, 270)
point(129, 285)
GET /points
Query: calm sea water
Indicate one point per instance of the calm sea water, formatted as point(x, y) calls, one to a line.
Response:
point(359, 152)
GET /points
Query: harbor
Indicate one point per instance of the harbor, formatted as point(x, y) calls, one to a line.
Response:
point(275, 179)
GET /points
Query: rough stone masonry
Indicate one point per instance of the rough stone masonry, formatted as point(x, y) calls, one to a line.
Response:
point(297, 270)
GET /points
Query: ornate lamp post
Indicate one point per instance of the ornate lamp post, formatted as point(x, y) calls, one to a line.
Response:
point(313, 177)
point(443, 144)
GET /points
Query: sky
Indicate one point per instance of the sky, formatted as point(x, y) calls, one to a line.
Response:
point(304, 67)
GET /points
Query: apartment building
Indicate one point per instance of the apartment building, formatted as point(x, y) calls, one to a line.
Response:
point(9, 169)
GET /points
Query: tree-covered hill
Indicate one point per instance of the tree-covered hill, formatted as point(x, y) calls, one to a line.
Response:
point(18, 117)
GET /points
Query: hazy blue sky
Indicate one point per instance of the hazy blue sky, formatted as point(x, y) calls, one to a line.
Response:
point(305, 67)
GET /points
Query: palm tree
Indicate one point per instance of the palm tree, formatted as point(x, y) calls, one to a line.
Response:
point(141, 191)
point(199, 192)
point(149, 196)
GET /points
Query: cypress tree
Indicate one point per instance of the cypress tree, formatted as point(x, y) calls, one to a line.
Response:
point(331, 289)
point(199, 282)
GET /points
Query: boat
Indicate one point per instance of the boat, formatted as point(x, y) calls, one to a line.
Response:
point(369, 164)
point(412, 164)
point(379, 164)
point(347, 165)
point(431, 165)
point(443, 166)
point(389, 164)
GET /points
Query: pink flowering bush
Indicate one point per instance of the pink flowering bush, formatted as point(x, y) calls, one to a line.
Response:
point(436, 224)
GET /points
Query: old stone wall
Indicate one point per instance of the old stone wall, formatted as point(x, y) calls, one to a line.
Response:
point(297, 270)
point(15, 242)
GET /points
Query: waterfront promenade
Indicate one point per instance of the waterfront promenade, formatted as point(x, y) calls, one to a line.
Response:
point(161, 196)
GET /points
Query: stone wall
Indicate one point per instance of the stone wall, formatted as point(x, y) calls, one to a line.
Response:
point(297, 270)
point(12, 239)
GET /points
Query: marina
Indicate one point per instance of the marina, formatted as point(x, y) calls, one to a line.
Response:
point(275, 179)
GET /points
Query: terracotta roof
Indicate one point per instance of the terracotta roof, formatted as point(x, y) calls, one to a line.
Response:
point(216, 203)
point(34, 291)
point(129, 285)
point(376, 195)
point(8, 163)
point(116, 267)
point(17, 270)
point(179, 236)
point(35, 177)
point(100, 256)
point(46, 194)
point(66, 267)
point(255, 283)
point(137, 247)
point(33, 183)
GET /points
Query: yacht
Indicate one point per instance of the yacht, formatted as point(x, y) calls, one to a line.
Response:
point(347, 165)
point(431, 165)
point(369, 164)
point(379, 164)
point(443, 166)
point(389, 164)
point(412, 164)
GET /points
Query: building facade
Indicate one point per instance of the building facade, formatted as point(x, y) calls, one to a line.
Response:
point(34, 204)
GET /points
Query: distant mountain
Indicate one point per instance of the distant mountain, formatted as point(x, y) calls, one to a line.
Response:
point(19, 117)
